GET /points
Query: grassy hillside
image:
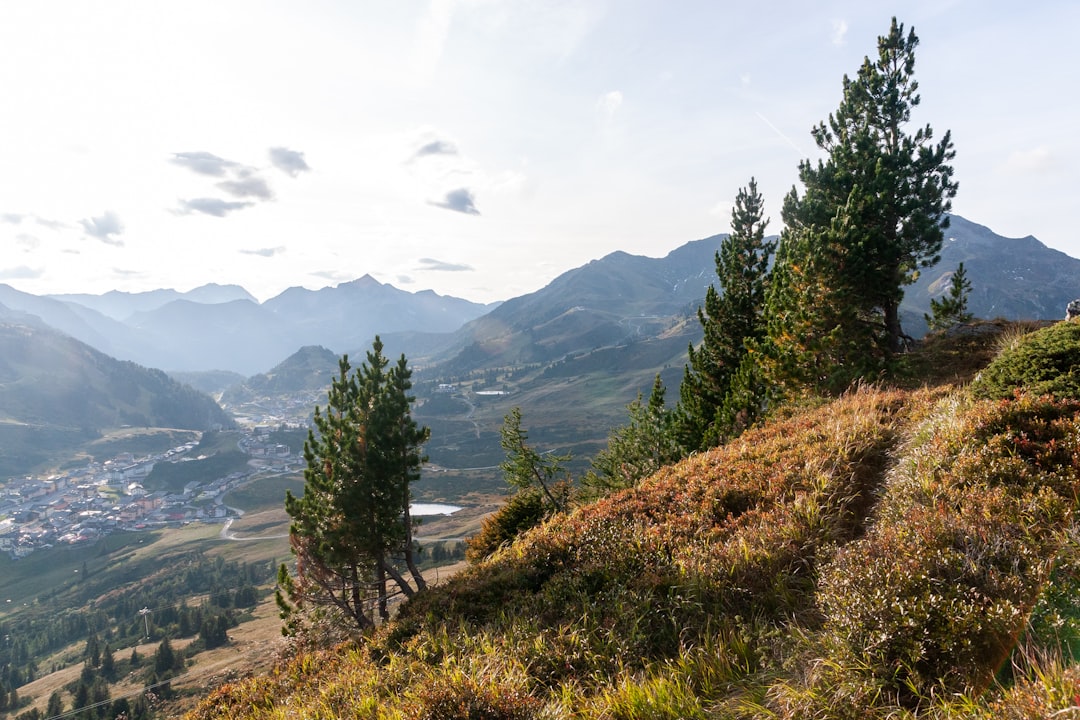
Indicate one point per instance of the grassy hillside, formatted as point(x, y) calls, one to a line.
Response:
point(57, 394)
point(899, 552)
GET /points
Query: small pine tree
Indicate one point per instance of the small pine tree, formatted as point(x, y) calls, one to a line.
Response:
point(55, 706)
point(525, 468)
point(639, 448)
point(952, 308)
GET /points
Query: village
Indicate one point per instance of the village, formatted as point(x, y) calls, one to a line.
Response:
point(87, 503)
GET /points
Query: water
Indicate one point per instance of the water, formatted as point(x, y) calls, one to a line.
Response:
point(419, 509)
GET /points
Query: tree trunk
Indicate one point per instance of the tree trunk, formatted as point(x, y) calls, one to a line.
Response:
point(892, 327)
point(384, 610)
point(410, 559)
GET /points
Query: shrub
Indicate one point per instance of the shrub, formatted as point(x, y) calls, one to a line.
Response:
point(936, 594)
point(525, 509)
point(456, 696)
point(1045, 362)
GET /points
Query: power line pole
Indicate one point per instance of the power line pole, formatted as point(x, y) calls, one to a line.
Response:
point(145, 612)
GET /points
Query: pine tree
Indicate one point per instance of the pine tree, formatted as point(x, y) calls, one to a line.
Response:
point(872, 215)
point(525, 468)
point(55, 706)
point(731, 319)
point(351, 529)
point(951, 309)
point(639, 448)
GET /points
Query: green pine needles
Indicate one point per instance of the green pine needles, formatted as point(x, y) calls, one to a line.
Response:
point(952, 308)
point(351, 530)
point(871, 215)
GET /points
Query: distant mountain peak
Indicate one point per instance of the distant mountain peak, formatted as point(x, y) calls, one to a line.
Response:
point(363, 282)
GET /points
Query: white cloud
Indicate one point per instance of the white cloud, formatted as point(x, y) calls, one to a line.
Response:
point(211, 206)
point(431, 35)
point(1035, 161)
point(290, 162)
point(104, 228)
point(607, 105)
point(460, 200)
point(839, 32)
point(22, 272)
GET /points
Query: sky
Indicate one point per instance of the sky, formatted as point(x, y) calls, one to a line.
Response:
point(478, 148)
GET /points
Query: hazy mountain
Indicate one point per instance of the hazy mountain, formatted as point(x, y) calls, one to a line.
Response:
point(122, 305)
point(223, 328)
point(241, 336)
point(349, 315)
point(1013, 278)
point(309, 369)
point(87, 325)
point(618, 300)
point(56, 392)
point(608, 303)
point(210, 382)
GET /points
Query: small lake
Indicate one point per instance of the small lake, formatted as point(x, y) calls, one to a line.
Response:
point(419, 509)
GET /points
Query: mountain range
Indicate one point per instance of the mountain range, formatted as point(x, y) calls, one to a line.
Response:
point(612, 301)
point(604, 329)
point(223, 328)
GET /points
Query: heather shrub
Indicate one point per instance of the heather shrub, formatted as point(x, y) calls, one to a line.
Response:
point(934, 597)
point(525, 509)
point(457, 696)
point(1045, 362)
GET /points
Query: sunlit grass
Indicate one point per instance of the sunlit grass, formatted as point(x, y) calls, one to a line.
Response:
point(880, 556)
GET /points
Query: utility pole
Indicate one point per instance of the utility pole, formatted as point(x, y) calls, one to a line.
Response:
point(145, 612)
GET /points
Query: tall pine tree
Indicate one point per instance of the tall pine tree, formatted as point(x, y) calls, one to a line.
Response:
point(732, 321)
point(871, 215)
point(352, 530)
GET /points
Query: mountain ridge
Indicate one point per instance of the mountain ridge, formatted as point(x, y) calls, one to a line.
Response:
point(610, 301)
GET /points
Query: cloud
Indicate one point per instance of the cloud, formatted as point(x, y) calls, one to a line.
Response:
point(405, 280)
point(247, 184)
point(265, 252)
point(19, 218)
point(1037, 160)
point(436, 147)
point(441, 266)
point(27, 241)
point(104, 228)
point(288, 161)
point(22, 272)
point(607, 105)
point(460, 200)
point(203, 163)
point(211, 206)
point(839, 32)
point(333, 275)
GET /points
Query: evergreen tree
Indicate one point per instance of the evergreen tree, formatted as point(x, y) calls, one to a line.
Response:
point(108, 664)
point(951, 309)
point(525, 468)
point(351, 529)
point(165, 658)
point(872, 215)
point(732, 322)
point(55, 706)
point(639, 448)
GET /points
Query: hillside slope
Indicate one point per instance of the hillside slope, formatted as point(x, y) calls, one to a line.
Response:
point(857, 559)
point(56, 392)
